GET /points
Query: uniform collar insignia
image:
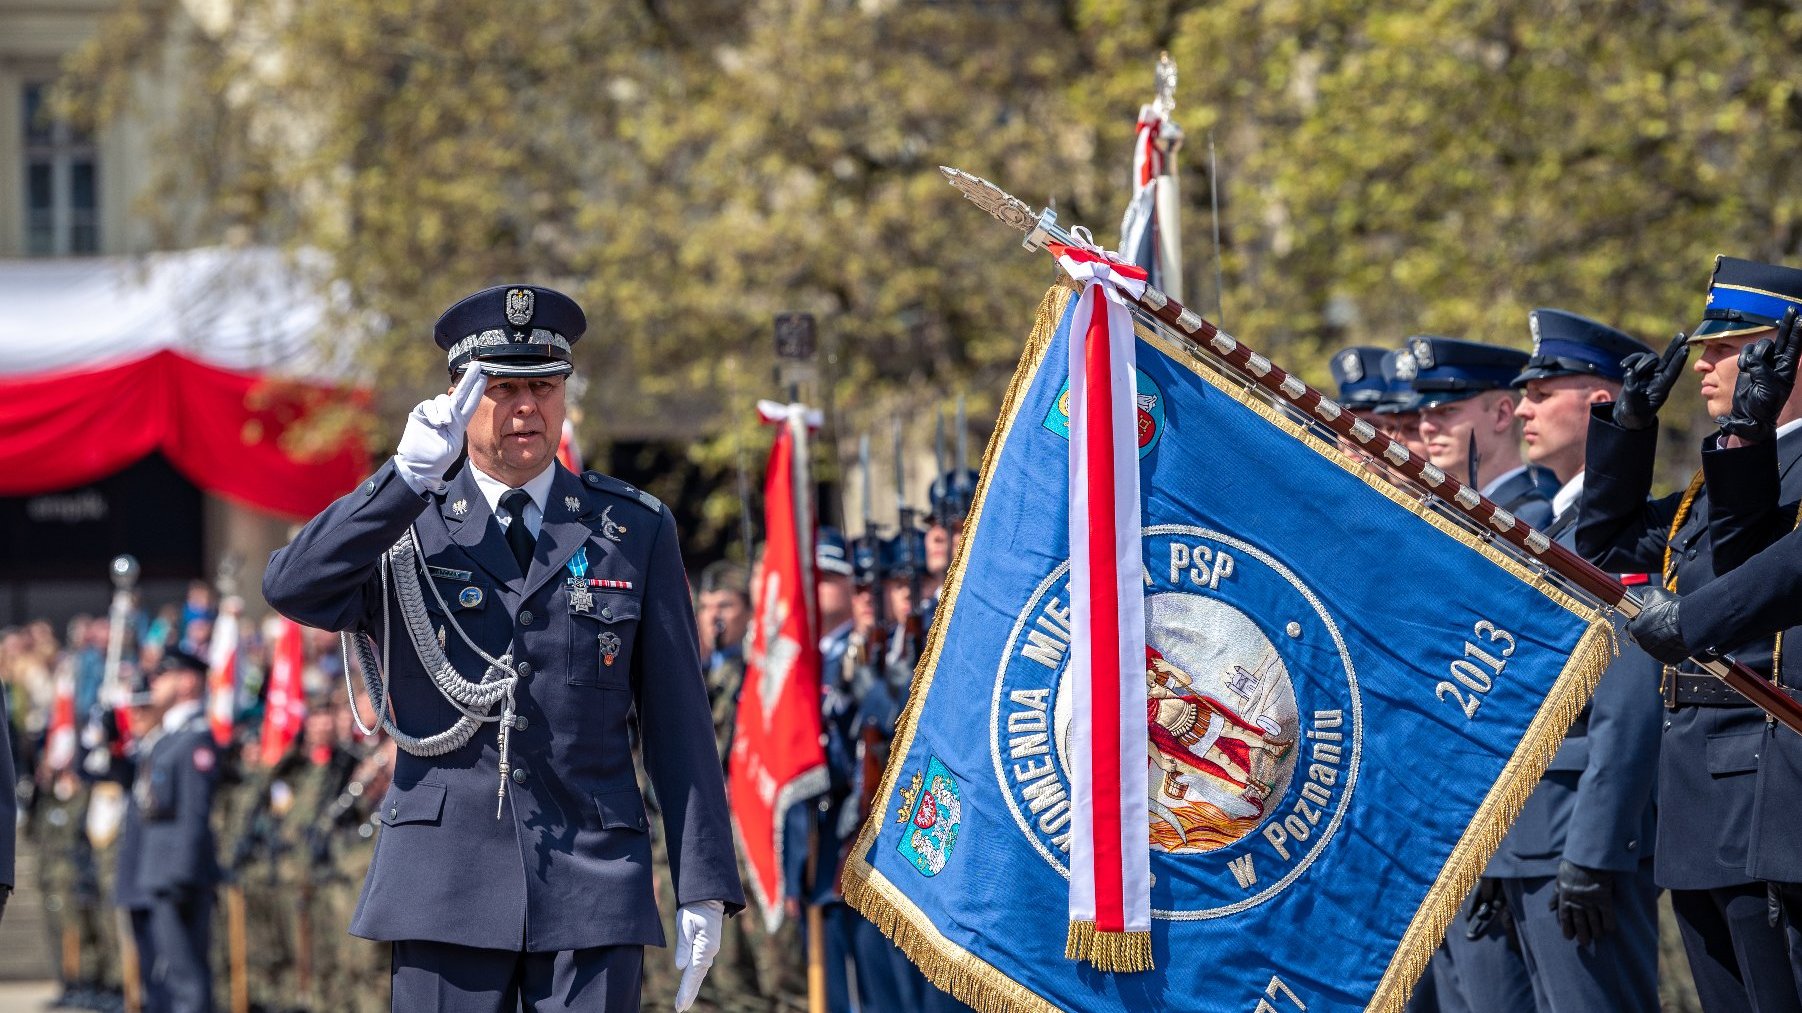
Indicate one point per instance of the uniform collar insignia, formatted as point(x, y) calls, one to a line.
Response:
point(460, 507)
point(574, 504)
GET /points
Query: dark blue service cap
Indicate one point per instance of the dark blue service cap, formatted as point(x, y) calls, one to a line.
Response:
point(829, 553)
point(866, 558)
point(1565, 344)
point(950, 496)
point(177, 660)
point(904, 555)
point(1398, 391)
point(1745, 296)
point(512, 330)
point(1359, 373)
point(1443, 370)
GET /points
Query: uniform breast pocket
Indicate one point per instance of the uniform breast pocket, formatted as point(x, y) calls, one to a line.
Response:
point(600, 642)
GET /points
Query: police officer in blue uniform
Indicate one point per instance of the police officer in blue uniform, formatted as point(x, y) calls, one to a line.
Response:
point(1712, 790)
point(1399, 407)
point(1466, 407)
point(1576, 867)
point(169, 857)
point(1750, 470)
point(530, 612)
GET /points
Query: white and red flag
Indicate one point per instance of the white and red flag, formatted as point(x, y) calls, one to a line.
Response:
point(776, 758)
point(1151, 231)
point(568, 452)
point(285, 701)
point(60, 738)
point(222, 672)
point(1110, 856)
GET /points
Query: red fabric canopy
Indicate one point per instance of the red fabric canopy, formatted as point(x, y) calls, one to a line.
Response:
point(224, 430)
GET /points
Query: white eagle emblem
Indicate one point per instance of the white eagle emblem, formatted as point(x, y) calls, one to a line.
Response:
point(519, 306)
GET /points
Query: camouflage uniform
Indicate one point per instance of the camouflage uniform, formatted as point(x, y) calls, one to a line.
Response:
point(357, 978)
point(301, 860)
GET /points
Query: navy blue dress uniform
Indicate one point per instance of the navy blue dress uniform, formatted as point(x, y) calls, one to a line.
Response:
point(1592, 817)
point(1709, 781)
point(169, 857)
point(529, 884)
point(1444, 370)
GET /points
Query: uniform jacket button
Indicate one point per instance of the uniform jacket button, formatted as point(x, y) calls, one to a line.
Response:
point(519, 725)
point(393, 811)
point(524, 669)
point(519, 775)
point(525, 617)
point(606, 612)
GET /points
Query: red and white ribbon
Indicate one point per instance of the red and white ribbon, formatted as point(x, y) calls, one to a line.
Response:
point(1110, 853)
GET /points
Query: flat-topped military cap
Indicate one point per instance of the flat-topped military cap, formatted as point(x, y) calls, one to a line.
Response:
point(177, 660)
point(512, 330)
point(829, 552)
point(1446, 369)
point(950, 496)
point(1565, 344)
point(1399, 396)
point(1359, 373)
point(1745, 296)
point(904, 554)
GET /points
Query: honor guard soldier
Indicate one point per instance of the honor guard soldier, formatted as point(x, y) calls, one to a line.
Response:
point(950, 497)
point(1400, 407)
point(1576, 867)
point(724, 616)
point(169, 822)
point(1358, 373)
point(528, 612)
point(1726, 830)
point(1467, 421)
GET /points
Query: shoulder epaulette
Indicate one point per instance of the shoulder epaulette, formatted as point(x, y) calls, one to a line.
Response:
point(608, 483)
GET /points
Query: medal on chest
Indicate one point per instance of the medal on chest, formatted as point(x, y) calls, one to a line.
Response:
point(581, 599)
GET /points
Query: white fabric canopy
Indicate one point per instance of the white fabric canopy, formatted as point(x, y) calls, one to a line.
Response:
point(248, 309)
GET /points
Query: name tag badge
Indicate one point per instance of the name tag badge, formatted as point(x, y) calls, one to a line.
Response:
point(460, 576)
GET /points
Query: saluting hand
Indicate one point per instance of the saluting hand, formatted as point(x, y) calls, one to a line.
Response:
point(1648, 383)
point(434, 434)
point(1767, 374)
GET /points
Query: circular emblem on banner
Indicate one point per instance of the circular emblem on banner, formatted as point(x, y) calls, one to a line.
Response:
point(1150, 409)
point(1252, 723)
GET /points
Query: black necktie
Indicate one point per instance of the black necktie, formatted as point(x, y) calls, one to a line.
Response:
point(519, 537)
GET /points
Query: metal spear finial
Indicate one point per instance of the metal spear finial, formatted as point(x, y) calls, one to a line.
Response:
point(1009, 209)
point(1165, 103)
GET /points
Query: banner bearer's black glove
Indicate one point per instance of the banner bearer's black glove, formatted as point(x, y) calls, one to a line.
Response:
point(1584, 900)
point(1655, 629)
point(1648, 383)
point(1767, 374)
point(1487, 906)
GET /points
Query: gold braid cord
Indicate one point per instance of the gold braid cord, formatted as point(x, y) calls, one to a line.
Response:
point(984, 988)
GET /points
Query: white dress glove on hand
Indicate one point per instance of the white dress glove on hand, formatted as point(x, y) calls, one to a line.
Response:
point(434, 433)
point(698, 926)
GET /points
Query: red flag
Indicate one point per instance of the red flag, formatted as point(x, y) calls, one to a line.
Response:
point(222, 675)
point(777, 759)
point(59, 740)
point(285, 701)
point(568, 453)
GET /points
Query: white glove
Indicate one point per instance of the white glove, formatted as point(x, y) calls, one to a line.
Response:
point(434, 433)
point(698, 924)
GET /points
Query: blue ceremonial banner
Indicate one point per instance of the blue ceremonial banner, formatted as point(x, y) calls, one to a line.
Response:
point(1349, 698)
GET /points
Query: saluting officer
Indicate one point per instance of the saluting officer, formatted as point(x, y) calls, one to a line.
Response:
point(1751, 469)
point(169, 822)
point(533, 610)
point(1711, 855)
point(1467, 408)
point(1576, 867)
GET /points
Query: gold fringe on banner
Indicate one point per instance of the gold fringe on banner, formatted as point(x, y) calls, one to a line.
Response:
point(1108, 951)
point(977, 983)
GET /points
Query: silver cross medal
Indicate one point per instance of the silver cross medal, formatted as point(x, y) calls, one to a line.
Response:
point(580, 598)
